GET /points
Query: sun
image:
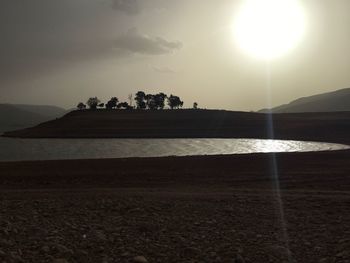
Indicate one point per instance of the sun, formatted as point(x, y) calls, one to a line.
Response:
point(269, 28)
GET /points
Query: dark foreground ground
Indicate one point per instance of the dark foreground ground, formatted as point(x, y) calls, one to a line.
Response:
point(178, 209)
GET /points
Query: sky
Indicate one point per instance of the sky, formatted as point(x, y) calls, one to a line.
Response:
point(63, 52)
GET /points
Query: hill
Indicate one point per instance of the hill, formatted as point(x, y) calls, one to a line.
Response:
point(44, 110)
point(19, 116)
point(327, 102)
point(332, 127)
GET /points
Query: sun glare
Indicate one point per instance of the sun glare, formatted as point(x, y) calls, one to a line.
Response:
point(269, 28)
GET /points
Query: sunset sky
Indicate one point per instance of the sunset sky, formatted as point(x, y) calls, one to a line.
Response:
point(62, 52)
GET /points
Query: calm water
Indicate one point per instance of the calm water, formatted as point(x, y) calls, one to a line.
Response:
point(50, 149)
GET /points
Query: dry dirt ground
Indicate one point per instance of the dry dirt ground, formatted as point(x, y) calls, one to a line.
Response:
point(178, 209)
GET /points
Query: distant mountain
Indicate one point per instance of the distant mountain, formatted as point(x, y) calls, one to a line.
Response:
point(19, 116)
point(327, 102)
point(45, 110)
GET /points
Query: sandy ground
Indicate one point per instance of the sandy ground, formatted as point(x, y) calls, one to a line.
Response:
point(178, 209)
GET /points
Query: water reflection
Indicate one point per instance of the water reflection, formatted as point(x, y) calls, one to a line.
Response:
point(49, 149)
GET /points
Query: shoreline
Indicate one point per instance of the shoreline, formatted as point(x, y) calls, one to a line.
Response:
point(135, 169)
point(323, 126)
point(325, 147)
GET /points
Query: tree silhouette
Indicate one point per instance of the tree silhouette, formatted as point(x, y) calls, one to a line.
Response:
point(143, 101)
point(112, 103)
point(140, 97)
point(124, 105)
point(81, 106)
point(151, 102)
point(93, 102)
point(195, 105)
point(155, 102)
point(160, 100)
point(174, 102)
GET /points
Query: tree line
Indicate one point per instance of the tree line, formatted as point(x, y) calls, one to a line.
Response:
point(143, 101)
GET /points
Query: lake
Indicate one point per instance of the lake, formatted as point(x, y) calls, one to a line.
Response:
point(51, 149)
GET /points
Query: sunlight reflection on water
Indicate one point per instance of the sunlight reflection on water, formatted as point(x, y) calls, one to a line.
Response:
point(51, 149)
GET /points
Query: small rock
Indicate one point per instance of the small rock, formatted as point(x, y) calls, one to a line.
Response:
point(62, 248)
point(125, 254)
point(140, 259)
point(342, 254)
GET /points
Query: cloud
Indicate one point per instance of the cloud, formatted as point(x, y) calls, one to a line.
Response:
point(130, 7)
point(134, 42)
point(163, 70)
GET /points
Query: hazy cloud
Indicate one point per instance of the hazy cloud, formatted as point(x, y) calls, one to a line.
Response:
point(163, 70)
point(130, 7)
point(134, 42)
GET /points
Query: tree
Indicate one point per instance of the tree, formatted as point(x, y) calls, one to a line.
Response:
point(151, 102)
point(81, 106)
point(159, 100)
point(174, 102)
point(124, 105)
point(140, 97)
point(112, 103)
point(93, 102)
point(195, 105)
point(101, 105)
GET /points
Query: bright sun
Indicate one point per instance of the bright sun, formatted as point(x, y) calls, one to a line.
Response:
point(269, 28)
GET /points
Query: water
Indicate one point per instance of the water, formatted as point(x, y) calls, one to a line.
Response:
point(52, 149)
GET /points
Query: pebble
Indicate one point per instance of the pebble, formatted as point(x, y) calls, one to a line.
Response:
point(140, 259)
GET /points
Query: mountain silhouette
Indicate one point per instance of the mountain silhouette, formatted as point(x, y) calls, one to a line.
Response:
point(19, 116)
point(327, 102)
